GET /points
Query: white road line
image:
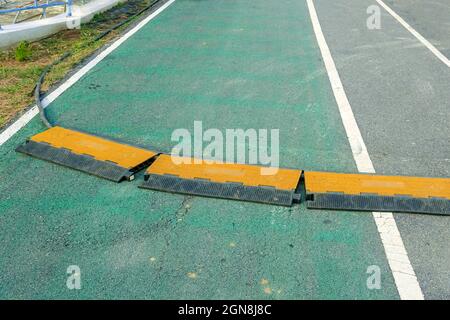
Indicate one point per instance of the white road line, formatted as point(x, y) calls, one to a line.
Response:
point(424, 41)
point(405, 279)
point(30, 114)
point(397, 256)
point(18, 124)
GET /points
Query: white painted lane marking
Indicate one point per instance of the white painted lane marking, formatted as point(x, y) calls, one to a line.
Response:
point(18, 124)
point(24, 119)
point(405, 279)
point(419, 37)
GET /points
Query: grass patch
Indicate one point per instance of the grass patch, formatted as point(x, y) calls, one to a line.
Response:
point(20, 67)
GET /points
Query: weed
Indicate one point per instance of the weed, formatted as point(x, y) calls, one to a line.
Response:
point(23, 51)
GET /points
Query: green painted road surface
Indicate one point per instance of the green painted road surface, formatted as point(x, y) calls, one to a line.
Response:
point(230, 64)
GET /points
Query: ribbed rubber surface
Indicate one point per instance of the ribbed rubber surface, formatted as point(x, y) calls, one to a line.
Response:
point(363, 183)
point(122, 154)
point(85, 163)
point(378, 203)
point(249, 175)
point(206, 188)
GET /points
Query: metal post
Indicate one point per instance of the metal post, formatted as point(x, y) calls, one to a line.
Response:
point(69, 8)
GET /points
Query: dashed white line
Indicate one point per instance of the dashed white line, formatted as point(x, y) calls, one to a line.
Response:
point(404, 276)
point(416, 34)
point(30, 114)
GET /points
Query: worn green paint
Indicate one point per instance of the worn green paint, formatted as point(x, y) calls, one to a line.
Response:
point(231, 64)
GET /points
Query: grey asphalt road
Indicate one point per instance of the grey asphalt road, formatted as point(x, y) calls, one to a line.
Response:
point(431, 18)
point(399, 92)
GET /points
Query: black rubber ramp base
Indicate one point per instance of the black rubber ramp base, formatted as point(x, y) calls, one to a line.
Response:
point(85, 163)
point(231, 191)
point(378, 203)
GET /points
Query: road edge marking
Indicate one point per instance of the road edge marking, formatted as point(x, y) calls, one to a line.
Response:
point(404, 276)
point(416, 34)
point(12, 129)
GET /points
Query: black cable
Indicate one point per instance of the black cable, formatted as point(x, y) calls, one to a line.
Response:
point(118, 25)
point(37, 90)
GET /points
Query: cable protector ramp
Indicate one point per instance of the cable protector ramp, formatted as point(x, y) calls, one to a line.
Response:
point(84, 152)
point(366, 192)
point(222, 180)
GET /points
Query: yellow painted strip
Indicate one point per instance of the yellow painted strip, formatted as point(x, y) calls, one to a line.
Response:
point(323, 182)
point(101, 149)
point(285, 179)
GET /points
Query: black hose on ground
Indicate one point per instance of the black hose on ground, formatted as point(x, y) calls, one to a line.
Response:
point(37, 90)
